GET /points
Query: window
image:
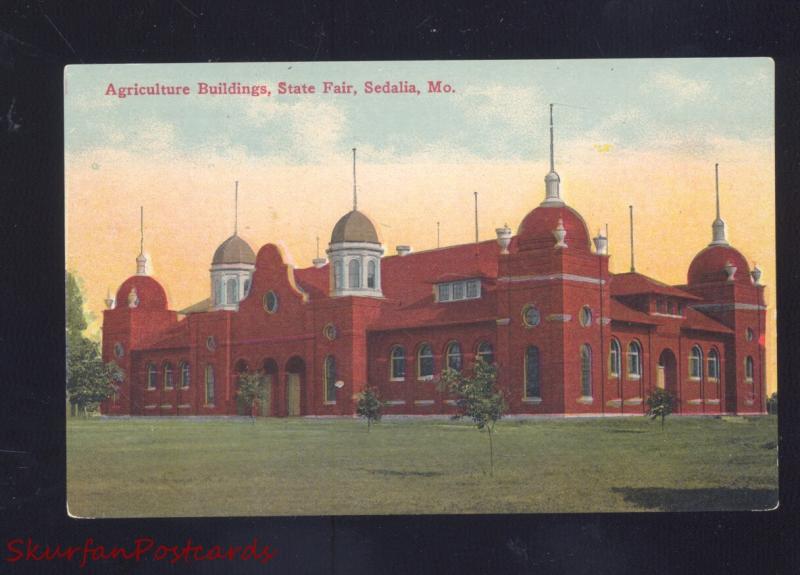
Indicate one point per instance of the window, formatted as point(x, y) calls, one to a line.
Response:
point(425, 362)
point(454, 357)
point(634, 360)
point(329, 379)
point(152, 376)
point(680, 308)
point(614, 359)
point(457, 291)
point(532, 377)
point(586, 370)
point(713, 365)
point(185, 375)
point(354, 270)
point(217, 292)
point(371, 274)
point(585, 316)
point(748, 369)
point(330, 331)
point(748, 334)
point(671, 307)
point(168, 383)
point(696, 363)
point(337, 274)
point(209, 385)
point(246, 287)
point(486, 352)
point(119, 350)
point(270, 302)
point(531, 316)
point(660, 306)
point(397, 370)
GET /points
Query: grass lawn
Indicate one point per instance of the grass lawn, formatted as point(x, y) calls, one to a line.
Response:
point(297, 466)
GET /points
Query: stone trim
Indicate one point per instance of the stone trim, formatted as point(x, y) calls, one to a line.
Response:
point(585, 400)
point(698, 401)
point(424, 402)
point(614, 402)
point(633, 401)
point(550, 277)
point(562, 317)
point(532, 400)
point(727, 306)
point(396, 402)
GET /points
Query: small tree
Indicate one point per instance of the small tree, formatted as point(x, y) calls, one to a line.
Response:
point(89, 380)
point(252, 386)
point(660, 404)
point(772, 403)
point(369, 406)
point(477, 397)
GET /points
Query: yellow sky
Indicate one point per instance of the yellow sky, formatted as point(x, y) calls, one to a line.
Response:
point(188, 204)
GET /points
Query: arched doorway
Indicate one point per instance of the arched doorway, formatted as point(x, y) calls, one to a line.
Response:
point(295, 375)
point(270, 368)
point(667, 377)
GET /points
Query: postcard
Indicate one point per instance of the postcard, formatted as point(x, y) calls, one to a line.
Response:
point(442, 287)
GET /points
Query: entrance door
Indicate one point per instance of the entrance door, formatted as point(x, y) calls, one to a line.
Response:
point(660, 379)
point(266, 397)
point(293, 394)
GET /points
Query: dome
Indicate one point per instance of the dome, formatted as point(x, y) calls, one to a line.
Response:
point(149, 292)
point(354, 227)
point(709, 265)
point(536, 229)
point(234, 250)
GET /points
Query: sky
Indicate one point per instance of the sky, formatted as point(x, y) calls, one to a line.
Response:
point(627, 132)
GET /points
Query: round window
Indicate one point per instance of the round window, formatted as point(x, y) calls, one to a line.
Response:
point(531, 316)
point(330, 331)
point(119, 350)
point(211, 343)
point(749, 334)
point(270, 301)
point(586, 316)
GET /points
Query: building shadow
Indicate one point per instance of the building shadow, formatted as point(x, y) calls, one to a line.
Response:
point(706, 499)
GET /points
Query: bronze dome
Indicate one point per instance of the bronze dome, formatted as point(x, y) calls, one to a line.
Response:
point(234, 250)
point(354, 227)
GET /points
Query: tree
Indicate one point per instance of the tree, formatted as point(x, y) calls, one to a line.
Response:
point(477, 397)
point(772, 403)
point(369, 406)
point(252, 386)
point(660, 404)
point(89, 380)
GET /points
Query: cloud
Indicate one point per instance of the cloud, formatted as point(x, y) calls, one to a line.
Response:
point(679, 87)
point(515, 106)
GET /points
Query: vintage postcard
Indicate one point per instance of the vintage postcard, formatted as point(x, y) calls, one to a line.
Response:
point(444, 287)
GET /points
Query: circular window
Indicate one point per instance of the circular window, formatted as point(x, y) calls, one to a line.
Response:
point(119, 350)
point(586, 316)
point(330, 331)
point(270, 301)
point(749, 334)
point(211, 343)
point(531, 316)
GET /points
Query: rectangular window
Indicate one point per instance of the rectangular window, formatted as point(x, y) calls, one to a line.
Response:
point(209, 385)
point(330, 379)
point(444, 292)
point(472, 289)
point(532, 384)
point(458, 291)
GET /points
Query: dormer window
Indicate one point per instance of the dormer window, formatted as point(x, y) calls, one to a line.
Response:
point(457, 291)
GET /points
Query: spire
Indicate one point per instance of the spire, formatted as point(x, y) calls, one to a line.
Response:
point(633, 267)
point(718, 227)
point(355, 194)
point(236, 210)
point(552, 180)
point(438, 236)
point(141, 261)
point(476, 217)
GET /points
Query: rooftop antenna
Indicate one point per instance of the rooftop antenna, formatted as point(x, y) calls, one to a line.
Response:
point(355, 195)
point(236, 210)
point(633, 268)
point(438, 243)
point(141, 261)
point(476, 217)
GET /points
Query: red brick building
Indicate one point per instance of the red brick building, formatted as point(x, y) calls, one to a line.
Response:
point(567, 336)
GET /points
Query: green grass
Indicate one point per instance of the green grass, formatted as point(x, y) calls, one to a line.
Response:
point(184, 467)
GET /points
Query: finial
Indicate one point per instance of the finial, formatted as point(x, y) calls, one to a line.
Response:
point(141, 260)
point(355, 195)
point(718, 227)
point(552, 195)
point(109, 301)
point(476, 217)
point(552, 154)
point(633, 267)
point(236, 210)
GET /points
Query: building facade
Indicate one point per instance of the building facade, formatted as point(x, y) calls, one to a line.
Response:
point(567, 336)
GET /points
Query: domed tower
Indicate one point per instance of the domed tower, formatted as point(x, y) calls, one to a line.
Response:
point(232, 269)
point(355, 253)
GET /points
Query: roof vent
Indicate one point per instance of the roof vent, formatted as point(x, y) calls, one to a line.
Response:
point(403, 250)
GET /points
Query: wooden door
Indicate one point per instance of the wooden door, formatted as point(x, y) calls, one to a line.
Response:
point(660, 379)
point(293, 394)
point(266, 397)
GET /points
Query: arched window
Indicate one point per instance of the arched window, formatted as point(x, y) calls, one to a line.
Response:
point(586, 370)
point(397, 370)
point(152, 376)
point(713, 365)
point(246, 287)
point(748, 369)
point(209, 385)
point(425, 362)
point(454, 357)
point(185, 375)
point(354, 274)
point(634, 360)
point(614, 357)
point(329, 379)
point(168, 383)
point(337, 274)
point(232, 291)
point(217, 291)
point(532, 373)
point(486, 352)
point(696, 363)
point(371, 274)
